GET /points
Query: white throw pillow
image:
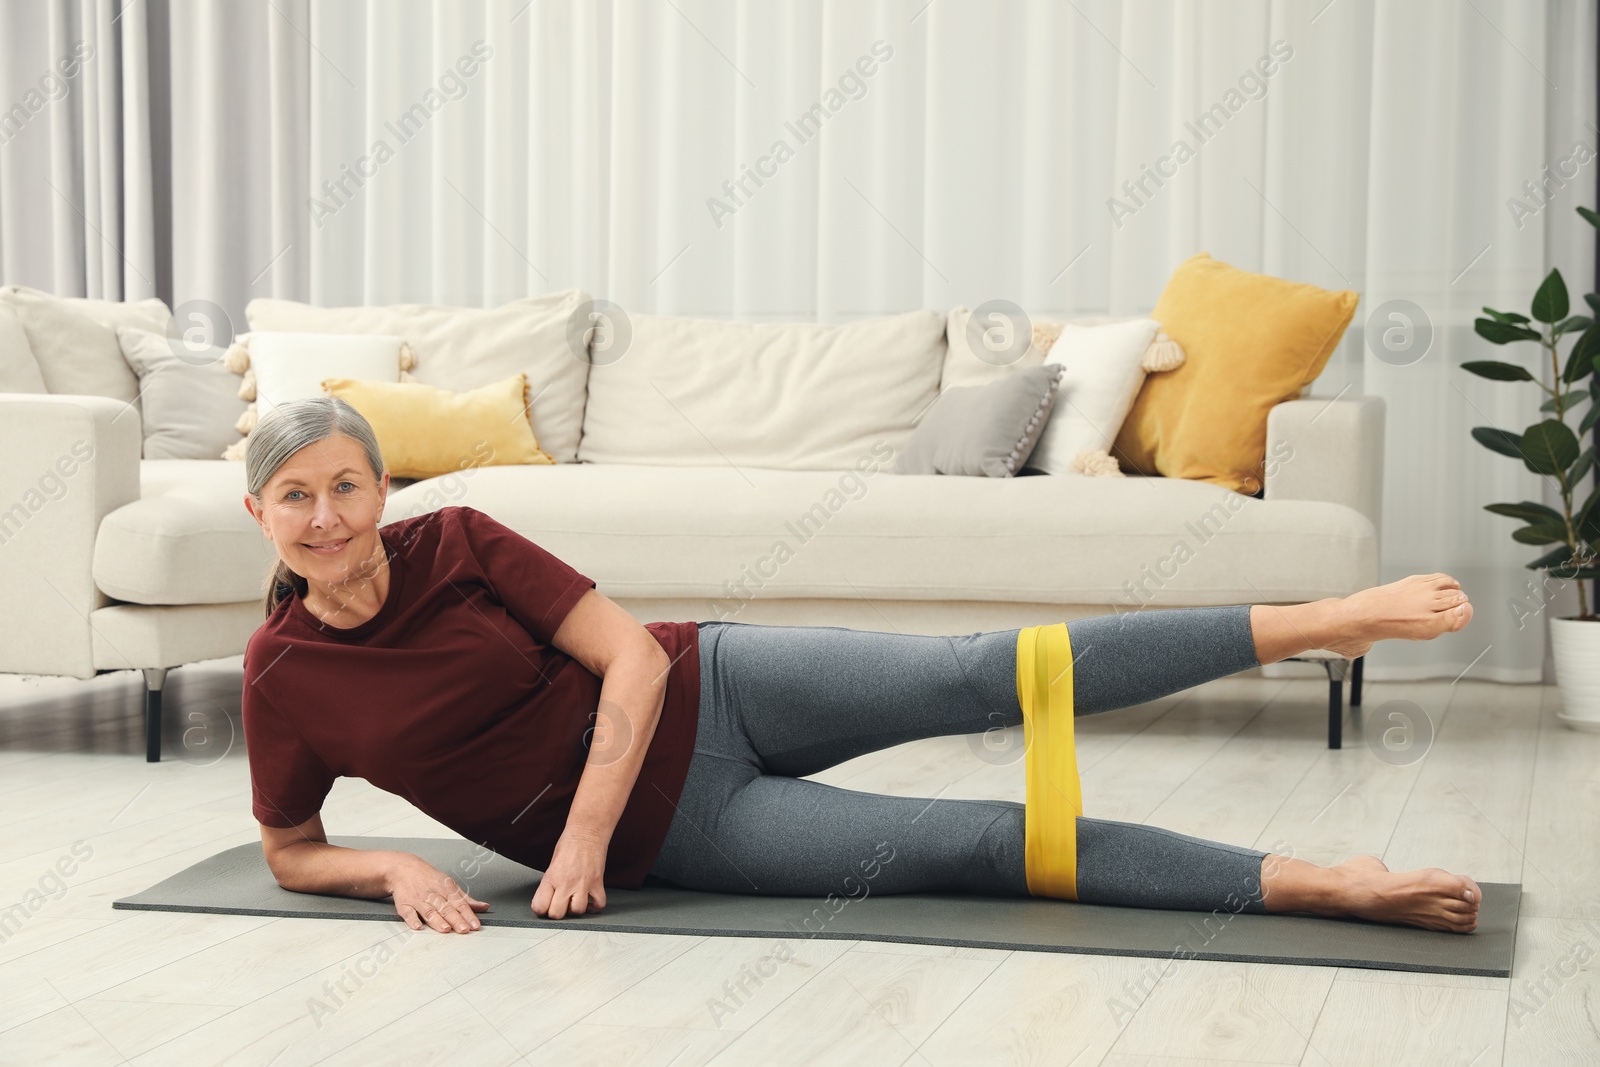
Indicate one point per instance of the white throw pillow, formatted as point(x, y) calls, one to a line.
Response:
point(291, 366)
point(1101, 375)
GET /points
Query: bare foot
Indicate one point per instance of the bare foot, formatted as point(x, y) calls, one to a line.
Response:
point(1363, 887)
point(1431, 898)
point(1417, 608)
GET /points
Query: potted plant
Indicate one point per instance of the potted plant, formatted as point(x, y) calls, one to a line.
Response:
point(1551, 448)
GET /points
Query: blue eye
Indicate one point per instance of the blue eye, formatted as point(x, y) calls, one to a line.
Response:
point(352, 485)
point(293, 491)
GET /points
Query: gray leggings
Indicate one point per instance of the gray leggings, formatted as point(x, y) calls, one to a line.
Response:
point(781, 702)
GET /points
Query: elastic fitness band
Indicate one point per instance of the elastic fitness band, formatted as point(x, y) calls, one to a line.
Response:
point(1054, 796)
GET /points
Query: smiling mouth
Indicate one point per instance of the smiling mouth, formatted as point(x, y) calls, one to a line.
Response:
point(326, 548)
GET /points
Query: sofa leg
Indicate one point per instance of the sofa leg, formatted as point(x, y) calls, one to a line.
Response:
point(1355, 681)
point(154, 679)
point(1336, 672)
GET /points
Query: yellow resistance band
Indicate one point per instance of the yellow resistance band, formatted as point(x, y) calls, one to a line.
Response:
point(1053, 793)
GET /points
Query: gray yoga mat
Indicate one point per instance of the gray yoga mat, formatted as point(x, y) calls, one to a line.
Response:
point(238, 882)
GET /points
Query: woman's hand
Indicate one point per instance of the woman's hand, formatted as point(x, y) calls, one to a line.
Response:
point(424, 894)
point(575, 878)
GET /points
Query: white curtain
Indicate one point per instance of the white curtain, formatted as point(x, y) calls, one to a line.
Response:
point(76, 199)
point(831, 159)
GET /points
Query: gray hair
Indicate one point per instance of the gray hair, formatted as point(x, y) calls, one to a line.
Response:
point(282, 432)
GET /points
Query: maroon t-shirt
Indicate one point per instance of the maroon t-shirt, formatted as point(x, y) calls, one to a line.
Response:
point(453, 697)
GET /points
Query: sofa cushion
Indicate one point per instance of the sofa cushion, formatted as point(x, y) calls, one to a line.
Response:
point(1253, 341)
point(75, 339)
point(983, 431)
point(714, 531)
point(1101, 374)
point(969, 361)
point(794, 396)
point(424, 431)
point(727, 535)
point(190, 401)
point(19, 371)
point(187, 540)
point(291, 366)
point(460, 349)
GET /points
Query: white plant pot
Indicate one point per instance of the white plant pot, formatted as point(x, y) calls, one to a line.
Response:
point(1576, 647)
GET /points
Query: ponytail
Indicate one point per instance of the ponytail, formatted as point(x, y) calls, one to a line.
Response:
point(282, 584)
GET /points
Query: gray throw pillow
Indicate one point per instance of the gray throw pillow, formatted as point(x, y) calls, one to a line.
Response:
point(190, 403)
point(983, 430)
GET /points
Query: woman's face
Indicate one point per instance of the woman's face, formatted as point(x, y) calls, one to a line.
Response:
point(321, 510)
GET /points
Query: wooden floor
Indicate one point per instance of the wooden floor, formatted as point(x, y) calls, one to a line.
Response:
point(1504, 793)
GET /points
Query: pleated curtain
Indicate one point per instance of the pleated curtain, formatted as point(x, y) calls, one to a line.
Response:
point(825, 160)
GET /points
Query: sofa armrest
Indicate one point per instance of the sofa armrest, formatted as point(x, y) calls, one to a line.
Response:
point(1320, 449)
point(69, 461)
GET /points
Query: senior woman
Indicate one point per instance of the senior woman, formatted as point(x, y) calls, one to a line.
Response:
point(448, 660)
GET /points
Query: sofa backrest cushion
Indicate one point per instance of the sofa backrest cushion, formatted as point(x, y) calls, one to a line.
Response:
point(461, 349)
point(19, 371)
point(978, 353)
point(74, 339)
point(790, 396)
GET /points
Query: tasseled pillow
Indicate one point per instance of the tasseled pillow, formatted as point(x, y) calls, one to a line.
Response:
point(237, 360)
point(1097, 463)
point(1163, 354)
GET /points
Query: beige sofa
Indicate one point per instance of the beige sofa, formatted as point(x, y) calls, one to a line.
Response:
point(717, 471)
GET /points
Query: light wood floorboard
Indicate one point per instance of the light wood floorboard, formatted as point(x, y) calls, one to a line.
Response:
point(1502, 791)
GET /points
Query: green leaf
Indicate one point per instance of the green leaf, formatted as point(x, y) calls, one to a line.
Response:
point(1589, 418)
point(1501, 333)
point(1496, 370)
point(1593, 300)
point(1543, 534)
point(1549, 447)
point(1511, 316)
point(1575, 567)
point(1502, 441)
point(1554, 558)
point(1570, 397)
point(1573, 322)
point(1594, 220)
point(1528, 511)
point(1587, 517)
point(1583, 574)
point(1550, 302)
point(1580, 359)
point(1580, 469)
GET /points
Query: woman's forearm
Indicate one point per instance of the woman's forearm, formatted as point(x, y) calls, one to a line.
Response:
point(318, 867)
point(631, 697)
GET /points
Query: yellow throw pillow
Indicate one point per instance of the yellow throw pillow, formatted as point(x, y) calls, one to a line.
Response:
point(425, 431)
point(1253, 341)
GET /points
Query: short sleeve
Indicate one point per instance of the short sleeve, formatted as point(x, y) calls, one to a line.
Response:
point(288, 780)
point(538, 589)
